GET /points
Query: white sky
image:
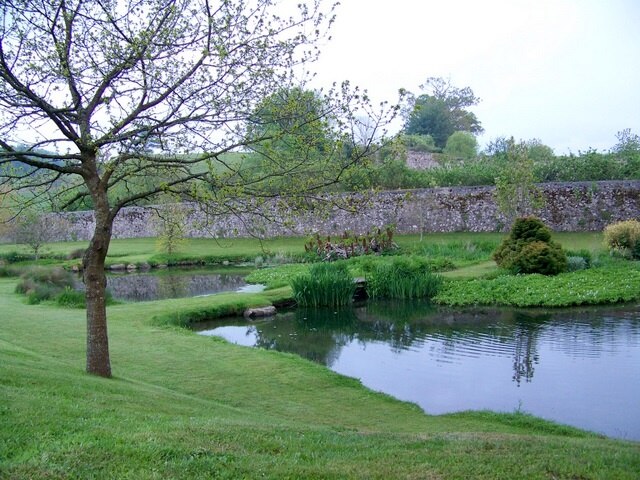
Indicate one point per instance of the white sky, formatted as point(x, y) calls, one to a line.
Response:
point(564, 71)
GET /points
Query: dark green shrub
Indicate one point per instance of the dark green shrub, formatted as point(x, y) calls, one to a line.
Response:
point(403, 278)
point(529, 249)
point(326, 285)
point(546, 258)
point(15, 257)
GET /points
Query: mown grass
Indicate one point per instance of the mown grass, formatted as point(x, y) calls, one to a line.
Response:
point(185, 406)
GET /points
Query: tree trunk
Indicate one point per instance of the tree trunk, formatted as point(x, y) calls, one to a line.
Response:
point(95, 281)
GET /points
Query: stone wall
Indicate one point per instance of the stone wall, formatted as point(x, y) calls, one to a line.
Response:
point(586, 206)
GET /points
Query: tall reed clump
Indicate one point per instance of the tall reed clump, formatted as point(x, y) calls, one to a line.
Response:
point(402, 278)
point(326, 285)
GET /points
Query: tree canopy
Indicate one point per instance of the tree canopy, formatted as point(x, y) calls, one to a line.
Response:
point(441, 110)
point(90, 85)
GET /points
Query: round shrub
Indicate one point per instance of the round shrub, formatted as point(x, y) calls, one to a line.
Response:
point(546, 258)
point(529, 249)
point(623, 238)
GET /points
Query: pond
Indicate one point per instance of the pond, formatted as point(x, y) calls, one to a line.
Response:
point(176, 283)
point(575, 366)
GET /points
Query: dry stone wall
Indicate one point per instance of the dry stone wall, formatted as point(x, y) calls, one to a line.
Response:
point(586, 206)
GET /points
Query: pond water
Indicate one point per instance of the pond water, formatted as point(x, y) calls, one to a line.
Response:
point(577, 366)
point(176, 283)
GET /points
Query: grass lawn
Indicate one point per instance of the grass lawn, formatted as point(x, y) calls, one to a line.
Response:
point(185, 406)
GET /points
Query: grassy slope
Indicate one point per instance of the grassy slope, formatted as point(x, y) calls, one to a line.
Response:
point(184, 406)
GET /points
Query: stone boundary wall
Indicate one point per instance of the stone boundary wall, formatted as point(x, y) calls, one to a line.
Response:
point(583, 206)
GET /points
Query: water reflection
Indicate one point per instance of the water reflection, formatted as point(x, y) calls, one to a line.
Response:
point(577, 366)
point(173, 283)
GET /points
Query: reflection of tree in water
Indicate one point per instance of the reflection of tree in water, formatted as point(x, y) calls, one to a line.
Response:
point(399, 323)
point(525, 343)
point(172, 286)
point(320, 334)
point(315, 334)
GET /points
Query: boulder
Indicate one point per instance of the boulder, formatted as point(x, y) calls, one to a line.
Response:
point(260, 312)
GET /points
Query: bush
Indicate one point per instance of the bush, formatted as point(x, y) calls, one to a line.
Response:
point(403, 278)
point(14, 257)
point(586, 256)
point(529, 249)
point(326, 285)
point(623, 238)
point(350, 245)
point(71, 298)
point(576, 263)
point(76, 254)
point(40, 284)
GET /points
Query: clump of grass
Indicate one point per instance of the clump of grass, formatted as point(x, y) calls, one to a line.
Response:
point(71, 298)
point(40, 284)
point(326, 285)
point(461, 251)
point(76, 254)
point(403, 278)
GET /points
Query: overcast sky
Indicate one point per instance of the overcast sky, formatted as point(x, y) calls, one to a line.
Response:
point(566, 72)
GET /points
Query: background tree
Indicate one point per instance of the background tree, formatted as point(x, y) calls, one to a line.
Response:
point(34, 230)
point(171, 228)
point(517, 194)
point(441, 111)
point(461, 145)
point(93, 82)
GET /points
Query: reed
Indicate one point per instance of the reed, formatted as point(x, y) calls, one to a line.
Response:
point(326, 285)
point(402, 279)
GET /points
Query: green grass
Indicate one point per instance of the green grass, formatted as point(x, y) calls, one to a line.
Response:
point(185, 406)
point(326, 285)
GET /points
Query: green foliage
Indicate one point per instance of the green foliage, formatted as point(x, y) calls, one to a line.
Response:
point(457, 252)
point(326, 285)
point(402, 278)
point(70, 298)
point(419, 143)
point(441, 111)
point(529, 249)
point(276, 277)
point(14, 257)
point(349, 244)
point(623, 238)
point(171, 228)
point(576, 263)
point(516, 191)
point(76, 254)
point(461, 145)
point(40, 284)
point(618, 282)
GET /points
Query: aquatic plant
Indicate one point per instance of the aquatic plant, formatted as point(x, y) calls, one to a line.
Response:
point(326, 285)
point(402, 278)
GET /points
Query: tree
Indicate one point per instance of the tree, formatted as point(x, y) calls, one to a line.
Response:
point(171, 228)
point(93, 82)
point(34, 230)
point(516, 192)
point(461, 145)
point(441, 111)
